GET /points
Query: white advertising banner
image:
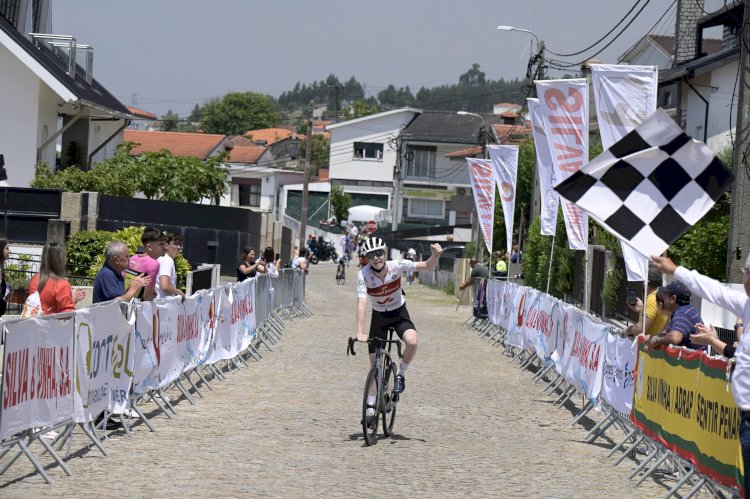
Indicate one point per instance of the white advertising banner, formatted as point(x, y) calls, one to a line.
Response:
point(580, 351)
point(483, 188)
point(550, 199)
point(243, 314)
point(564, 108)
point(539, 325)
point(105, 361)
point(624, 96)
point(147, 355)
point(531, 315)
point(37, 375)
point(505, 165)
point(516, 313)
point(619, 373)
point(222, 344)
point(194, 329)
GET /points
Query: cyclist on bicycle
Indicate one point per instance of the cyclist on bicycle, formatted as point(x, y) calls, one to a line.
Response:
point(381, 280)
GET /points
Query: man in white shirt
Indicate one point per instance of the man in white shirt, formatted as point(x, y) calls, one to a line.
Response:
point(166, 284)
point(738, 303)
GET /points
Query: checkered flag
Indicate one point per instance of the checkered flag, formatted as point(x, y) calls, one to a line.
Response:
point(651, 186)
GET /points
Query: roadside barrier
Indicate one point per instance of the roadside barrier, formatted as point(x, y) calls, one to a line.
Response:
point(673, 406)
point(75, 370)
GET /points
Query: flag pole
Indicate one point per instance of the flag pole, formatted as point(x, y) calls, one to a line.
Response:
point(643, 308)
point(551, 253)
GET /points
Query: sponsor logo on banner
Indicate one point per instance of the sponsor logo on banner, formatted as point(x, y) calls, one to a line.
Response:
point(483, 186)
point(505, 165)
point(507, 191)
point(550, 199)
point(563, 106)
point(684, 400)
point(619, 373)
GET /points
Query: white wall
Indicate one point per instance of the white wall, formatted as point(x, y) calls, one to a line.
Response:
point(19, 111)
point(374, 129)
point(100, 131)
point(49, 123)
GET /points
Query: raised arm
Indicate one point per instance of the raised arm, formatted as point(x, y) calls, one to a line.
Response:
point(431, 262)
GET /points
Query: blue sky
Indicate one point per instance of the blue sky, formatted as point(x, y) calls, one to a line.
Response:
point(173, 54)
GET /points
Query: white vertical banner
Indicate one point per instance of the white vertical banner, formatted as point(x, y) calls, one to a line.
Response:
point(624, 96)
point(147, 349)
point(504, 161)
point(105, 353)
point(550, 199)
point(483, 188)
point(37, 374)
point(222, 341)
point(564, 108)
point(619, 373)
point(243, 314)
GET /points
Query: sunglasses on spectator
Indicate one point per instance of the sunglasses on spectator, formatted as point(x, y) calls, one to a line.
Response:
point(376, 253)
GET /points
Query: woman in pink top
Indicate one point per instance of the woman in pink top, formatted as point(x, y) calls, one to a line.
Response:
point(55, 293)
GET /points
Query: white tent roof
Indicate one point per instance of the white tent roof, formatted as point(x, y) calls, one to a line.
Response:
point(365, 213)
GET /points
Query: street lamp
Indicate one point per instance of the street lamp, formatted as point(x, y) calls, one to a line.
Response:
point(511, 28)
point(483, 142)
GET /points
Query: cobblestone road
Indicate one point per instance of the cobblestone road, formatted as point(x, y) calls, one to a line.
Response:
point(470, 424)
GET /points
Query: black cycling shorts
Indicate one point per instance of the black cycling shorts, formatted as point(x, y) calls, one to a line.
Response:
point(398, 319)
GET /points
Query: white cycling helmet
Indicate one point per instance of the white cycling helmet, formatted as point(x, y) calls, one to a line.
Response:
point(373, 244)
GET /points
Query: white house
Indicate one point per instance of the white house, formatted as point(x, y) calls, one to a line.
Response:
point(49, 96)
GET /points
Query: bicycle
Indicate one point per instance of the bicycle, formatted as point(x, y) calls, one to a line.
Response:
point(341, 274)
point(383, 374)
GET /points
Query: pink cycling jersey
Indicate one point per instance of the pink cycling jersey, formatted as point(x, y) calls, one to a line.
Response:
point(385, 294)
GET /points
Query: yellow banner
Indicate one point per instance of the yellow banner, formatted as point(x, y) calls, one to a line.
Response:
point(683, 398)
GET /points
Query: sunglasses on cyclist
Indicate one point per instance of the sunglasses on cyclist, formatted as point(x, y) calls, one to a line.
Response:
point(373, 254)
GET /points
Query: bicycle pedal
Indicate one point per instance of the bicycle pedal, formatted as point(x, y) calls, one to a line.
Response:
point(396, 397)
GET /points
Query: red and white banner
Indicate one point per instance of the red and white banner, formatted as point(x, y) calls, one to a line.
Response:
point(550, 199)
point(624, 96)
point(222, 343)
point(619, 373)
point(564, 108)
point(243, 314)
point(505, 165)
point(105, 360)
point(516, 314)
point(483, 187)
point(37, 374)
point(579, 356)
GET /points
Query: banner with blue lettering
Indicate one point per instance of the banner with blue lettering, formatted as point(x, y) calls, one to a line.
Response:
point(147, 351)
point(38, 373)
point(580, 351)
point(105, 359)
point(619, 373)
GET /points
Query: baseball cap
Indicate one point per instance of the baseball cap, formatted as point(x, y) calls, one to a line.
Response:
point(676, 288)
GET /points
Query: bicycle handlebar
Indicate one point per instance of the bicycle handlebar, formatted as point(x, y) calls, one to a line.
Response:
point(381, 342)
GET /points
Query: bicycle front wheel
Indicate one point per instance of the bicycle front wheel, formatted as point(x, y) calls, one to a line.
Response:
point(370, 424)
point(389, 399)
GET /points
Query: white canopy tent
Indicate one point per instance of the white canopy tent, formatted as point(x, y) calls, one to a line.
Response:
point(365, 213)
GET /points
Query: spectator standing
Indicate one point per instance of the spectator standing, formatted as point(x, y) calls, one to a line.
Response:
point(656, 318)
point(55, 293)
point(4, 288)
point(109, 283)
point(411, 255)
point(500, 268)
point(478, 271)
point(154, 244)
point(300, 262)
point(167, 284)
point(271, 266)
point(515, 255)
point(683, 317)
point(248, 266)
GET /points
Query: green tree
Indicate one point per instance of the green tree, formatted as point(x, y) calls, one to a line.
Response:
point(195, 114)
point(169, 122)
point(238, 112)
point(340, 202)
point(474, 77)
point(361, 108)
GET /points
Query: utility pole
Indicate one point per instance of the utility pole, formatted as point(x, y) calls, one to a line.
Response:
point(303, 210)
point(538, 74)
point(397, 169)
point(739, 214)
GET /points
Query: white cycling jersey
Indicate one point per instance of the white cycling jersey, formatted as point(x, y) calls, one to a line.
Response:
point(385, 294)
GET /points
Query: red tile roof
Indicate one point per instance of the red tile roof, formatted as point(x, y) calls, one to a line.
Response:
point(512, 133)
point(269, 135)
point(467, 151)
point(246, 154)
point(141, 113)
point(199, 145)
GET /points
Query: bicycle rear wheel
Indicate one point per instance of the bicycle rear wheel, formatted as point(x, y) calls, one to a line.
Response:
point(370, 425)
point(389, 399)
